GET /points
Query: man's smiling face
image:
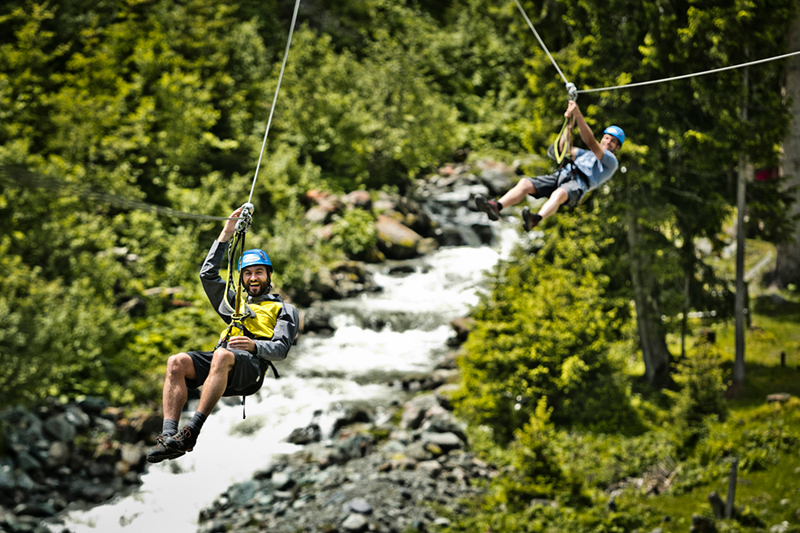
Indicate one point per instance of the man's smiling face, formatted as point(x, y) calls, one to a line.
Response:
point(256, 280)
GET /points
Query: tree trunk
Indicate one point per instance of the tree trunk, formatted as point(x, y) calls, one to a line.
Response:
point(741, 291)
point(652, 337)
point(787, 267)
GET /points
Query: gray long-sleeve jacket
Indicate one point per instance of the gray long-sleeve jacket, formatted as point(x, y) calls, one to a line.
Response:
point(274, 349)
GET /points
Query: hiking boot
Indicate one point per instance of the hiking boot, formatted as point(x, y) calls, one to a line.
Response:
point(487, 206)
point(529, 220)
point(160, 452)
point(183, 442)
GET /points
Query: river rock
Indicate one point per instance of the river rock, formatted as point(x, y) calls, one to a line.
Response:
point(306, 435)
point(241, 493)
point(132, 454)
point(498, 177)
point(59, 427)
point(7, 482)
point(58, 455)
point(316, 319)
point(395, 240)
point(92, 405)
point(27, 462)
point(444, 395)
point(445, 441)
point(76, 417)
point(415, 410)
point(359, 199)
point(281, 481)
point(353, 415)
point(24, 482)
point(357, 505)
point(462, 327)
point(355, 523)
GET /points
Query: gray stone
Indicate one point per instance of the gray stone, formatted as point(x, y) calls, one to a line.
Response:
point(431, 468)
point(59, 428)
point(446, 441)
point(306, 435)
point(427, 245)
point(26, 461)
point(132, 454)
point(93, 405)
point(241, 493)
point(444, 394)
point(414, 410)
point(105, 426)
point(58, 454)
point(76, 417)
point(357, 505)
point(281, 481)
point(24, 482)
point(355, 522)
point(352, 415)
point(7, 478)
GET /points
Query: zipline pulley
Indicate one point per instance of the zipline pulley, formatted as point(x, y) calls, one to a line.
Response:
point(572, 91)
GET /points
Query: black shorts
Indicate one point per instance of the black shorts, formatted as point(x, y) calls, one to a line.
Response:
point(246, 377)
point(569, 181)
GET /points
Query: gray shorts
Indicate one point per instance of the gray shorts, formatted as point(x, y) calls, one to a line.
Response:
point(246, 377)
point(570, 182)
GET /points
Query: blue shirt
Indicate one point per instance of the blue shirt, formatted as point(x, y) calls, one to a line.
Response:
point(596, 171)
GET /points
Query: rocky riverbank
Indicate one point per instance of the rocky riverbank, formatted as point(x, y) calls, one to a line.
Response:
point(63, 456)
point(68, 456)
point(406, 470)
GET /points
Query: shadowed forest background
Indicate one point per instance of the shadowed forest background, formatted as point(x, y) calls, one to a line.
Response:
point(589, 361)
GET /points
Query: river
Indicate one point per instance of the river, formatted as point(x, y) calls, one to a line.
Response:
point(378, 337)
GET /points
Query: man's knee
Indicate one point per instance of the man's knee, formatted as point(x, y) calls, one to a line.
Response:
point(180, 365)
point(223, 359)
point(527, 186)
point(561, 195)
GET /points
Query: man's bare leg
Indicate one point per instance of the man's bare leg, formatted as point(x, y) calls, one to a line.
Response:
point(179, 368)
point(530, 221)
point(518, 193)
point(552, 204)
point(217, 380)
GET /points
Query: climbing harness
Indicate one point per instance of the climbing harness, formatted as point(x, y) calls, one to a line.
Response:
point(562, 147)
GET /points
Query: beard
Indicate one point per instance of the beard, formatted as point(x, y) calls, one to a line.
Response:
point(257, 290)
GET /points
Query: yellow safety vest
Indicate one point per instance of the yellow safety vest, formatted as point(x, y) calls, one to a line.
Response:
point(263, 325)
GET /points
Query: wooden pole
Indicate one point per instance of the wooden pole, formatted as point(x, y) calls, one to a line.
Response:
point(731, 488)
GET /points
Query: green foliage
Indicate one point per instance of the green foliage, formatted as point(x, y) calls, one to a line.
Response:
point(701, 385)
point(354, 233)
point(544, 331)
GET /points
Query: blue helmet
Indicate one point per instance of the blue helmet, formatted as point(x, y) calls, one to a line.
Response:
point(617, 133)
point(255, 257)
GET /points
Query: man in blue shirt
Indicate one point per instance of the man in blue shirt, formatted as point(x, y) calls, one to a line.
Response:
point(587, 171)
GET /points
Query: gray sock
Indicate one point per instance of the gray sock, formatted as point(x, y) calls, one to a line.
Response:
point(169, 427)
point(196, 423)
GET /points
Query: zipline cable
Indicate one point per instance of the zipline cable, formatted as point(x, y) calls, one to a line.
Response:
point(275, 99)
point(22, 177)
point(546, 51)
point(663, 80)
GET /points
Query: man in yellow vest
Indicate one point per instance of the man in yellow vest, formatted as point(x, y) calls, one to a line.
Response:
point(236, 367)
